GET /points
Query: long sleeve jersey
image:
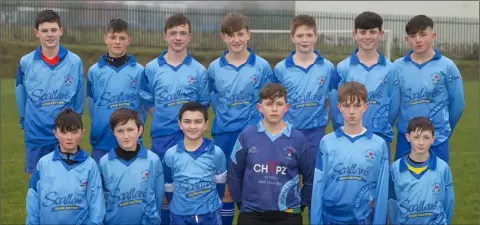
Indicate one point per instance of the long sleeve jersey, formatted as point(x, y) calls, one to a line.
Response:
point(381, 82)
point(351, 176)
point(307, 90)
point(425, 198)
point(434, 90)
point(192, 176)
point(264, 170)
point(60, 193)
point(235, 92)
point(168, 87)
point(42, 91)
point(110, 88)
point(133, 189)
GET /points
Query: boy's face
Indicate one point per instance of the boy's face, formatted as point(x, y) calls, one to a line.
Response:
point(421, 42)
point(193, 125)
point(304, 39)
point(420, 140)
point(49, 34)
point(367, 39)
point(68, 140)
point(273, 111)
point(237, 41)
point(127, 134)
point(117, 43)
point(352, 111)
point(178, 38)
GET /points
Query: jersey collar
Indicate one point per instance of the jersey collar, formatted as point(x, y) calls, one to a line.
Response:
point(289, 60)
point(81, 155)
point(62, 52)
point(251, 58)
point(436, 56)
point(432, 162)
point(142, 152)
point(354, 58)
point(206, 146)
point(286, 131)
point(161, 59)
point(131, 61)
point(339, 132)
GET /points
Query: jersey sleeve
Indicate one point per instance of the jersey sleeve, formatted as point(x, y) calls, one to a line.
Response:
point(449, 196)
point(381, 196)
point(392, 198)
point(20, 94)
point(335, 83)
point(455, 95)
point(95, 196)
point(159, 192)
point(167, 172)
point(203, 88)
point(277, 74)
point(318, 185)
point(78, 100)
point(268, 73)
point(33, 199)
point(236, 170)
point(306, 160)
point(220, 166)
point(146, 90)
point(90, 93)
point(394, 93)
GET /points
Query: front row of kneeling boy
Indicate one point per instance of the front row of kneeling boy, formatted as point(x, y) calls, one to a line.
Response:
point(348, 182)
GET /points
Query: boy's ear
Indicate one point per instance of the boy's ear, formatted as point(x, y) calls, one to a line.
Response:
point(140, 130)
point(407, 136)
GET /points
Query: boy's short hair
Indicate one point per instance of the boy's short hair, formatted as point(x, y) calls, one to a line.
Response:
point(352, 91)
point(273, 91)
point(418, 23)
point(368, 20)
point(67, 120)
point(420, 124)
point(122, 116)
point(117, 25)
point(177, 19)
point(49, 16)
point(233, 22)
point(193, 106)
point(301, 20)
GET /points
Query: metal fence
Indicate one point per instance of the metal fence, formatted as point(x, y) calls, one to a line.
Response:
point(85, 23)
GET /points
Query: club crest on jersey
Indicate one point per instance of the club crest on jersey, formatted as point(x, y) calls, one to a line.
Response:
point(253, 79)
point(321, 80)
point(435, 79)
point(84, 184)
point(436, 188)
point(191, 79)
point(133, 82)
point(289, 151)
point(145, 175)
point(370, 154)
point(68, 80)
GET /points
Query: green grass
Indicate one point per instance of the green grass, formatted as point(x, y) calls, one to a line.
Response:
point(464, 158)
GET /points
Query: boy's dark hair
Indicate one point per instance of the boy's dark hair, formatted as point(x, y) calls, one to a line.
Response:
point(368, 20)
point(49, 16)
point(273, 91)
point(193, 106)
point(418, 23)
point(233, 22)
point(117, 25)
point(122, 116)
point(352, 91)
point(177, 19)
point(67, 120)
point(420, 124)
point(301, 20)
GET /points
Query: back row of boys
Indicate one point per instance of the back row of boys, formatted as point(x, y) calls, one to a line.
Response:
point(232, 83)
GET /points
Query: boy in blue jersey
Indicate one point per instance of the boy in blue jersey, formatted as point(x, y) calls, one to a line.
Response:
point(368, 66)
point(421, 186)
point(65, 187)
point(430, 86)
point(171, 80)
point(235, 79)
point(266, 164)
point(132, 176)
point(112, 82)
point(48, 80)
point(193, 167)
point(351, 173)
point(308, 78)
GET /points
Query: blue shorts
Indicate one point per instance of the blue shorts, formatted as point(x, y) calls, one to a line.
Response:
point(161, 144)
point(403, 147)
point(97, 154)
point(32, 155)
point(226, 142)
point(213, 218)
point(314, 136)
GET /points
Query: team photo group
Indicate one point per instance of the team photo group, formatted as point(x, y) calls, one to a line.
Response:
point(270, 157)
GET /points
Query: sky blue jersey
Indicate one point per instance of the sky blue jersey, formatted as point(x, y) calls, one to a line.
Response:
point(434, 90)
point(351, 176)
point(235, 91)
point(108, 89)
point(42, 91)
point(264, 170)
point(192, 176)
point(426, 198)
point(60, 193)
point(133, 189)
point(381, 82)
point(168, 87)
point(307, 90)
